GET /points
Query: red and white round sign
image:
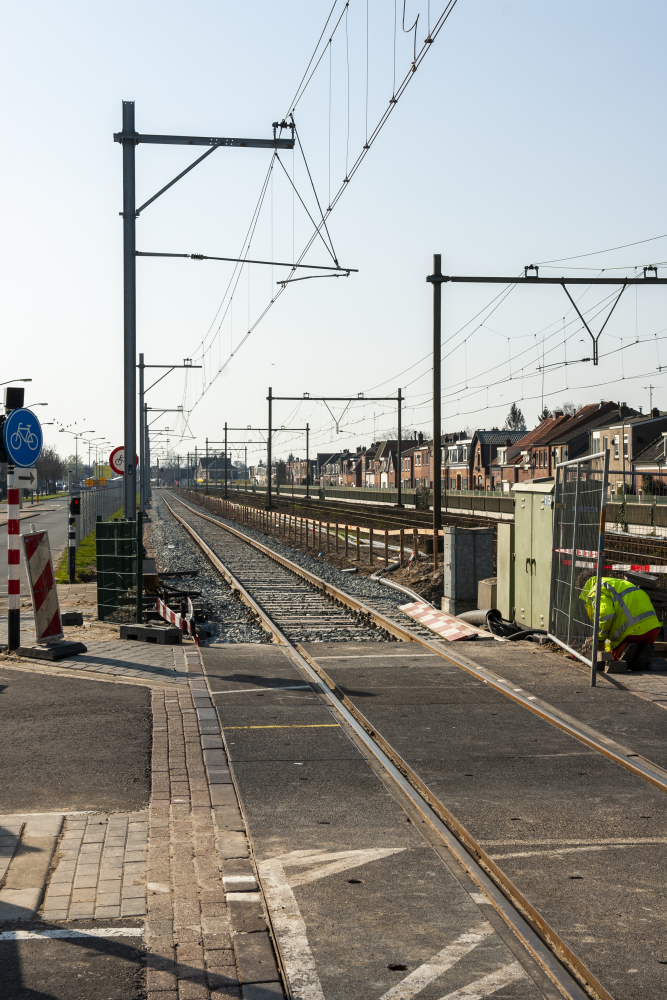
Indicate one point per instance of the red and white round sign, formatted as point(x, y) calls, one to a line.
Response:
point(117, 460)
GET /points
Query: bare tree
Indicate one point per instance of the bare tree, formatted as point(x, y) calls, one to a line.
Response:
point(50, 466)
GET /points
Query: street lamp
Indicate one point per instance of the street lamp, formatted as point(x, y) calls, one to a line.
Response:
point(76, 435)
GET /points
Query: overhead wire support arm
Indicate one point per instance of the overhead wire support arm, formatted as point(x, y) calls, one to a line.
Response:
point(245, 260)
point(593, 337)
point(198, 140)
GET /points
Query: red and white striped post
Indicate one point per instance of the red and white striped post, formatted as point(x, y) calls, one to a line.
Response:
point(13, 563)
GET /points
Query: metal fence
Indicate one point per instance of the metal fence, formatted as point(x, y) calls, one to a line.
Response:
point(103, 502)
point(578, 546)
point(116, 571)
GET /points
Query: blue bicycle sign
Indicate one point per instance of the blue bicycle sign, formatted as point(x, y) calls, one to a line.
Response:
point(22, 438)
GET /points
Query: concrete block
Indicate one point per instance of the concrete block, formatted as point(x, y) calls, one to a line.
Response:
point(71, 617)
point(54, 651)
point(255, 960)
point(615, 667)
point(263, 991)
point(487, 593)
point(164, 635)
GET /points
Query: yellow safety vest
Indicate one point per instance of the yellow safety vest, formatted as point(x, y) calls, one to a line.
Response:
point(625, 610)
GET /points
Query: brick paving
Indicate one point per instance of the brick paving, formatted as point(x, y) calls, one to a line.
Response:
point(100, 869)
point(206, 933)
point(650, 686)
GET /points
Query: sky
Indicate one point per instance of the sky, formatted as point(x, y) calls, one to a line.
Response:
point(529, 133)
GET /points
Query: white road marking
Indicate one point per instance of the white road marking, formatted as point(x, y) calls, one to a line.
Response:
point(565, 850)
point(559, 843)
point(287, 920)
point(238, 879)
point(379, 656)
point(488, 984)
point(70, 932)
point(261, 687)
point(243, 897)
point(440, 963)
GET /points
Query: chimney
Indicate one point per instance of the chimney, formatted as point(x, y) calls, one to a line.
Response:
point(558, 413)
point(655, 412)
point(420, 438)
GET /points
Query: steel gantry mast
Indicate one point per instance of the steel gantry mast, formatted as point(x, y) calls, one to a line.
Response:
point(129, 139)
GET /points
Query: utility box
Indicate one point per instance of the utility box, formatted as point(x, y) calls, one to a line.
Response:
point(532, 555)
point(505, 570)
point(467, 559)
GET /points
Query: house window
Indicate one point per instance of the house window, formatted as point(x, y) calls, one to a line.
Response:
point(605, 443)
point(625, 446)
point(616, 446)
point(465, 455)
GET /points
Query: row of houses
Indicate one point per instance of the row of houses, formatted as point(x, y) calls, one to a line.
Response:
point(495, 459)
point(492, 459)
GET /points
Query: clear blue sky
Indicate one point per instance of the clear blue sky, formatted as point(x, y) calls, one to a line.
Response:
point(531, 131)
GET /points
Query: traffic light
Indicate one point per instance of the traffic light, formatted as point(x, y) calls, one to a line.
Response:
point(74, 506)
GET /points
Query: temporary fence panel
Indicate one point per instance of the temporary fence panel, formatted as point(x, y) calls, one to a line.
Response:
point(578, 549)
point(116, 571)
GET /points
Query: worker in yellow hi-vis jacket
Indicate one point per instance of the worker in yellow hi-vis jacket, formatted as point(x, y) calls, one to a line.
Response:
point(628, 623)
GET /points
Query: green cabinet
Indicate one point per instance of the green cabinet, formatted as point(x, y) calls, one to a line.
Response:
point(531, 564)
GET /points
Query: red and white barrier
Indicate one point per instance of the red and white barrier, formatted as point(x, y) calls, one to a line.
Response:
point(185, 622)
point(48, 624)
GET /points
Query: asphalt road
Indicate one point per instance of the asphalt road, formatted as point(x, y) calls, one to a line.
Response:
point(358, 897)
point(50, 515)
point(72, 969)
point(580, 836)
point(72, 744)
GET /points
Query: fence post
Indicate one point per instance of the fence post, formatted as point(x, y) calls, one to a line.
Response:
point(386, 548)
point(346, 529)
point(319, 536)
point(401, 554)
point(415, 544)
point(596, 617)
point(358, 547)
point(370, 547)
point(328, 537)
point(140, 567)
point(574, 554)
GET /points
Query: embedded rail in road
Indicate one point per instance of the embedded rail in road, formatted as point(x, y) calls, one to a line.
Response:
point(572, 822)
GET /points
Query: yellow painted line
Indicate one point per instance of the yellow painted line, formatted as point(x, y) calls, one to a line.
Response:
point(317, 725)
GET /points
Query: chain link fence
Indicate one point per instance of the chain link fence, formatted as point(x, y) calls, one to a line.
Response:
point(103, 502)
point(578, 545)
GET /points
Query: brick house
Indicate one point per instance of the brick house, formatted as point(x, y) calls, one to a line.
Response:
point(485, 472)
point(650, 466)
point(627, 437)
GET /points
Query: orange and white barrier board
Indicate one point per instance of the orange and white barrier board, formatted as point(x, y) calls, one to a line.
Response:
point(446, 626)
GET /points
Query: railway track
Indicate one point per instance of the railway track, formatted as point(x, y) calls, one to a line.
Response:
point(364, 514)
point(251, 568)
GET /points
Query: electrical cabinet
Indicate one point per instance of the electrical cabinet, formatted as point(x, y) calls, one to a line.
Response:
point(531, 562)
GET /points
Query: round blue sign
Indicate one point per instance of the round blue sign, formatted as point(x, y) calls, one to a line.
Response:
point(22, 438)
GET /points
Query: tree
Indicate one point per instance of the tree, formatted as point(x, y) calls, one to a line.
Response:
point(545, 414)
point(281, 473)
point(569, 409)
point(50, 466)
point(515, 420)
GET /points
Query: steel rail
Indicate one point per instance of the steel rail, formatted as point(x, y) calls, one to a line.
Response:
point(594, 740)
point(542, 942)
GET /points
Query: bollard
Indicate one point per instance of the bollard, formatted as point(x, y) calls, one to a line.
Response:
point(13, 564)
